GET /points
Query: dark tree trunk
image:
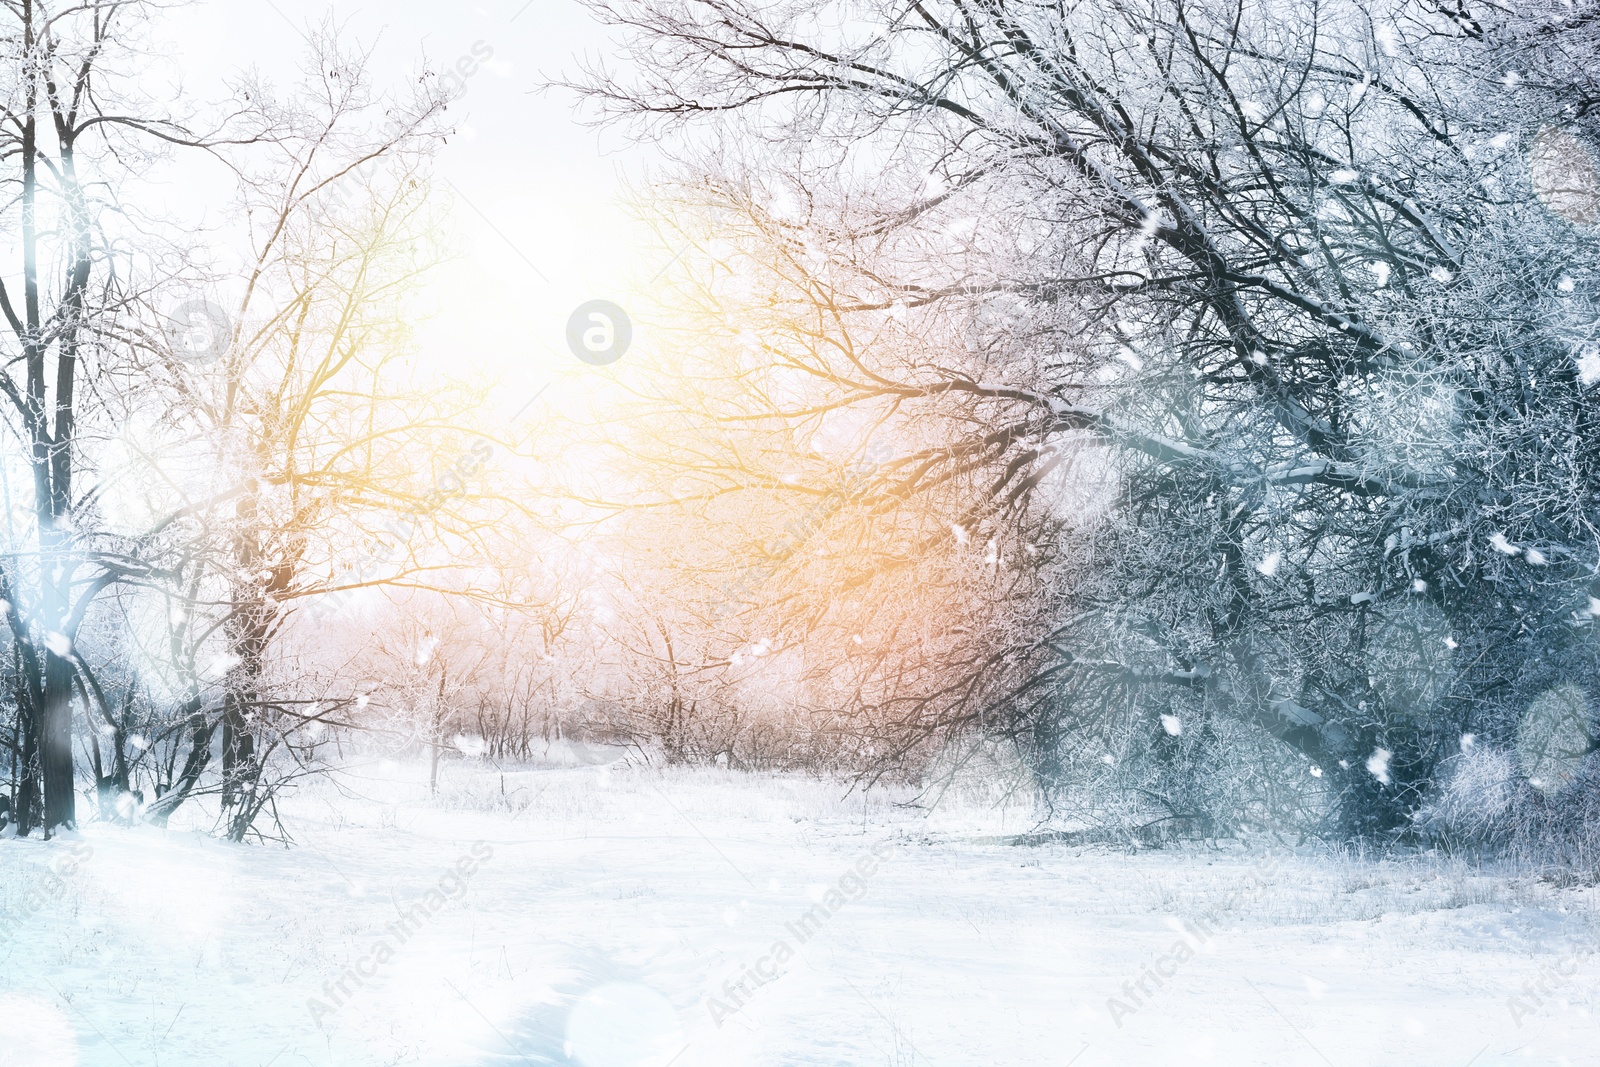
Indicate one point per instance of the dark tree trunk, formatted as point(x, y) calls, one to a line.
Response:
point(28, 806)
point(55, 748)
point(200, 732)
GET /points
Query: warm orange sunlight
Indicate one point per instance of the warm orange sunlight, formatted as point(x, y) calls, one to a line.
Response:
point(799, 533)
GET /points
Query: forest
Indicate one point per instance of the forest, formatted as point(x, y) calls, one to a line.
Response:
point(1174, 421)
point(1192, 401)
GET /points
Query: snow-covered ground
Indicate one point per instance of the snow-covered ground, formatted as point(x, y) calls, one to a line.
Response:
point(632, 916)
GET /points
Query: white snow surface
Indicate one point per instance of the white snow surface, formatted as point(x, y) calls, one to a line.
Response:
point(617, 908)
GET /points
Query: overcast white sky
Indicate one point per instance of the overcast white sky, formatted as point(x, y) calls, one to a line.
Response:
point(534, 198)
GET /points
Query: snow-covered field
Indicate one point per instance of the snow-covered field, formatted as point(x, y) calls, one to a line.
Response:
point(632, 916)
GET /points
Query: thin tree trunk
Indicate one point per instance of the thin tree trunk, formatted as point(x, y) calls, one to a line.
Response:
point(194, 764)
point(55, 748)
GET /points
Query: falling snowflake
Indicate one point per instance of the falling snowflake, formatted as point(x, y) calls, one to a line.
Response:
point(1500, 544)
point(1378, 765)
point(1589, 366)
point(1172, 725)
point(1269, 566)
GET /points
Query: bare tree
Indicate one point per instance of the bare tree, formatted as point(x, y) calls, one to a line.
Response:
point(75, 136)
point(308, 438)
point(1244, 337)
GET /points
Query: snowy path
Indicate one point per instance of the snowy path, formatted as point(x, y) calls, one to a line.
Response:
point(612, 922)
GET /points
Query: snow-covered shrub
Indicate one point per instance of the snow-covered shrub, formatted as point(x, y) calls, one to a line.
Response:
point(978, 771)
point(1163, 772)
point(1477, 797)
point(1487, 801)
